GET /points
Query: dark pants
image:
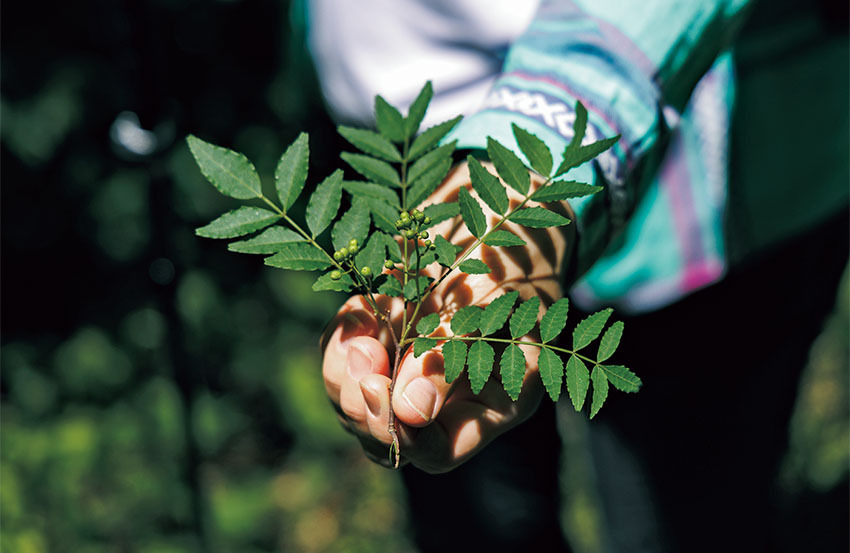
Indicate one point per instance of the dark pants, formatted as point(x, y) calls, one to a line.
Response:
point(687, 464)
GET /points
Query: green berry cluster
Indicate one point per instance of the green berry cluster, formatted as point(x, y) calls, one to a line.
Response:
point(345, 255)
point(410, 223)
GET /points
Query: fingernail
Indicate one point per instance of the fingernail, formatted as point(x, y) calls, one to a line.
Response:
point(373, 403)
point(359, 361)
point(421, 395)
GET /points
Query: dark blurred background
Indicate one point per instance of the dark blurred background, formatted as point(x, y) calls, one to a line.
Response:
point(160, 394)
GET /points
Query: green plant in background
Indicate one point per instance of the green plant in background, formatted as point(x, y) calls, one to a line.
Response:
point(381, 244)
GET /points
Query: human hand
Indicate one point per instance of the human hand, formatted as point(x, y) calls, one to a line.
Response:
point(441, 424)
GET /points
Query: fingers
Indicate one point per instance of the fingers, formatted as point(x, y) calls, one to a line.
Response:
point(366, 357)
point(420, 388)
point(353, 320)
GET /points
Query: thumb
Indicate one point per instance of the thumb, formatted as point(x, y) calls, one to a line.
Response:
point(421, 388)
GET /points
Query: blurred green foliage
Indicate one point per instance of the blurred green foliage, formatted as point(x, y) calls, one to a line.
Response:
point(157, 393)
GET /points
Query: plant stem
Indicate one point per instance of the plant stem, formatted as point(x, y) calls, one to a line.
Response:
point(506, 341)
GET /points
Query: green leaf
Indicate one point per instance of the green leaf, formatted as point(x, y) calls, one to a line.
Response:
point(417, 109)
point(372, 255)
point(496, 314)
point(474, 267)
point(622, 378)
point(389, 120)
point(479, 363)
point(428, 324)
point(427, 183)
point(393, 251)
point(371, 190)
point(383, 215)
point(230, 172)
point(454, 358)
point(441, 212)
point(373, 169)
point(354, 224)
point(578, 380)
point(535, 150)
point(554, 319)
point(466, 320)
point(291, 172)
point(512, 369)
point(609, 342)
point(391, 287)
point(410, 290)
point(564, 190)
point(426, 258)
point(446, 251)
point(509, 166)
point(472, 213)
point(600, 390)
point(268, 241)
point(324, 203)
point(489, 187)
point(503, 238)
point(525, 317)
point(538, 217)
point(587, 330)
point(429, 160)
point(579, 126)
point(551, 372)
point(421, 345)
point(299, 256)
point(370, 142)
point(325, 282)
point(574, 158)
point(238, 222)
point(430, 137)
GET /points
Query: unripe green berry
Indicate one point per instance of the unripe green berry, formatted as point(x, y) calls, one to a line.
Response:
point(423, 235)
point(365, 271)
point(419, 216)
point(389, 264)
point(428, 243)
point(336, 275)
point(405, 216)
point(399, 224)
point(343, 252)
point(426, 220)
point(338, 255)
point(410, 233)
point(352, 243)
point(353, 249)
point(432, 247)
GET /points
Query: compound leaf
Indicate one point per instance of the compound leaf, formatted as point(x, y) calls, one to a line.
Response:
point(474, 267)
point(417, 109)
point(389, 120)
point(600, 390)
point(430, 137)
point(479, 364)
point(622, 378)
point(428, 324)
point(427, 183)
point(299, 256)
point(582, 154)
point(421, 345)
point(466, 319)
point(324, 203)
point(472, 213)
point(578, 380)
point(383, 215)
point(587, 330)
point(509, 166)
point(609, 342)
point(372, 255)
point(554, 319)
point(496, 314)
point(373, 169)
point(535, 150)
point(411, 292)
point(551, 372)
point(538, 217)
point(525, 317)
point(579, 126)
point(354, 224)
point(229, 172)
point(429, 160)
point(503, 238)
point(512, 369)
point(325, 282)
point(291, 172)
point(564, 190)
point(268, 241)
point(390, 287)
point(488, 186)
point(238, 222)
point(454, 359)
point(371, 143)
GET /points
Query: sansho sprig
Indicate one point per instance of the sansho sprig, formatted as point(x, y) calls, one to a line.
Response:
point(382, 245)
